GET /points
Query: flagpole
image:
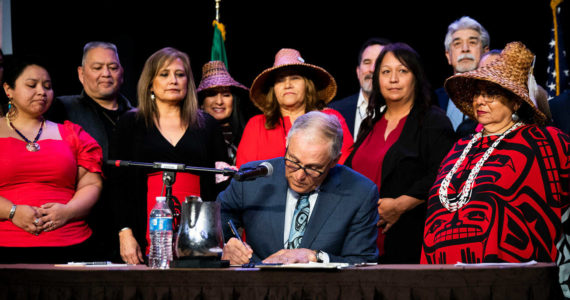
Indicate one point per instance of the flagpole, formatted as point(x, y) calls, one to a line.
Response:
point(553, 4)
point(218, 10)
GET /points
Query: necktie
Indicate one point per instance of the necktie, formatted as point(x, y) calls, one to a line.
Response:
point(299, 222)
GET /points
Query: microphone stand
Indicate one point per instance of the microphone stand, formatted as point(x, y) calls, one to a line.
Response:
point(169, 171)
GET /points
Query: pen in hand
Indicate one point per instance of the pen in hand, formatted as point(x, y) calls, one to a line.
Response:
point(236, 233)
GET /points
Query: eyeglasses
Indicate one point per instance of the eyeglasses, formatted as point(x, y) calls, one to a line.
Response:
point(486, 98)
point(294, 166)
point(489, 93)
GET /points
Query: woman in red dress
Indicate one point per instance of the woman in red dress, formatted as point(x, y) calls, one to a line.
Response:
point(501, 194)
point(50, 175)
point(284, 92)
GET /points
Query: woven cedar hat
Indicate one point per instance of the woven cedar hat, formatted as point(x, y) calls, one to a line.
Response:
point(215, 74)
point(510, 71)
point(291, 58)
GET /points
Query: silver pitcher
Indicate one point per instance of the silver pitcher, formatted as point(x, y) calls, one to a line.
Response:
point(200, 231)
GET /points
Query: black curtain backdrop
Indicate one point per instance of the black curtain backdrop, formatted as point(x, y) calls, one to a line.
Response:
point(327, 33)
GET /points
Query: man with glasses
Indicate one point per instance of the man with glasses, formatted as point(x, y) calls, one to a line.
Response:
point(309, 210)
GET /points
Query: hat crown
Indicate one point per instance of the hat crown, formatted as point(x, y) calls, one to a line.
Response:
point(511, 71)
point(214, 68)
point(514, 64)
point(287, 56)
point(215, 74)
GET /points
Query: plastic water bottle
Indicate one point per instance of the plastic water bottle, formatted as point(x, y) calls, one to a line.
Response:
point(160, 229)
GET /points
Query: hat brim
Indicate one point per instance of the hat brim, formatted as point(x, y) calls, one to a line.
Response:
point(461, 90)
point(325, 83)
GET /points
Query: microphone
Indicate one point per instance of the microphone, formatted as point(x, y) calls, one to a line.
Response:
point(264, 169)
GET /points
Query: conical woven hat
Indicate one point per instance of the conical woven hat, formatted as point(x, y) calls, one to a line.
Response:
point(510, 71)
point(215, 74)
point(291, 58)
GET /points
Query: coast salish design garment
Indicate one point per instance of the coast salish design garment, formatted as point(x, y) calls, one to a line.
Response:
point(515, 208)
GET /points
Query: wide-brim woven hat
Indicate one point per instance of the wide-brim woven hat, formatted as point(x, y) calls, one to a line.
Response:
point(290, 58)
point(511, 71)
point(215, 74)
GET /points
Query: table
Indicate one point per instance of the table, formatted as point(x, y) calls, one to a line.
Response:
point(539, 281)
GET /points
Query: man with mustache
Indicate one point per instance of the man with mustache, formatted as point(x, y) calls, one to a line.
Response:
point(465, 42)
point(97, 110)
point(353, 108)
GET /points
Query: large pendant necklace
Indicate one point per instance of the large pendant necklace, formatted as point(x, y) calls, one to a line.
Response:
point(30, 146)
point(465, 194)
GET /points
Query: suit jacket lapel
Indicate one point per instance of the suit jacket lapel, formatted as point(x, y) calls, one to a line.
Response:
point(327, 201)
point(277, 219)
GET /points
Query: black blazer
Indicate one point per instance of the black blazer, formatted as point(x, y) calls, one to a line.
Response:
point(347, 108)
point(409, 168)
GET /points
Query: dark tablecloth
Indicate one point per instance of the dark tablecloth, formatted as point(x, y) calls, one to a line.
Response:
point(538, 281)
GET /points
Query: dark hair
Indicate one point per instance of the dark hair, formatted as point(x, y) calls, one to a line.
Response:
point(422, 89)
point(242, 110)
point(369, 42)
point(272, 110)
point(17, 64)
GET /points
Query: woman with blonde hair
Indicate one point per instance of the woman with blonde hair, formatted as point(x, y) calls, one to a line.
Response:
point(166, 127)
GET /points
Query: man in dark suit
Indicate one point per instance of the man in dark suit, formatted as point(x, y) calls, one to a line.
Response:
point(560, 109)
point(309, 210)
point(353, 108)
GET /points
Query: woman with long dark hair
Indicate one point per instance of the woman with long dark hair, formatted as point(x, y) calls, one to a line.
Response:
point(400, 146)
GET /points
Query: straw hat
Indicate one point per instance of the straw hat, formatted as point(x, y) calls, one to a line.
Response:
point(215, 74)
point(511, 71)
point(291, 58)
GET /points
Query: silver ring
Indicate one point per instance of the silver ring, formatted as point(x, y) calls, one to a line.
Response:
point(36, 221)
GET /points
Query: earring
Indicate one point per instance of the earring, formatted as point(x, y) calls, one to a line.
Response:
point(152, 96)
point(515, 117)
point(12, 112)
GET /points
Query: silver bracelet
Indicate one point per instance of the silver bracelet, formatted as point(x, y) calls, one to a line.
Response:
point(12, 212)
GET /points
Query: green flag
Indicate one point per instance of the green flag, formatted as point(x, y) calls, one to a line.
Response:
point(218, 47)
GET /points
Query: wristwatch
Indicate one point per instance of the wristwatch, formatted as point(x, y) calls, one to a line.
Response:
point(320, 256)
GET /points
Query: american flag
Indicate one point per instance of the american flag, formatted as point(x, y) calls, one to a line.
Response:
point(557, 68)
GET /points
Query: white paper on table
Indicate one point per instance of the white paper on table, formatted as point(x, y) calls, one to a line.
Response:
point(310, 265)
point(522, 264)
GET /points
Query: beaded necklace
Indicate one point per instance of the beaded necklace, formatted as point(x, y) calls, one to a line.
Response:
point(465, 194)
point(30, 146)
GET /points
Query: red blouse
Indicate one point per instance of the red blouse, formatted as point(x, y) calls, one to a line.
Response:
point(46, 176)
point(258, 143)
point(369, 158)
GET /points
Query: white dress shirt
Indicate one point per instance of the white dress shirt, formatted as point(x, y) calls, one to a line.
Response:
point(361, 106)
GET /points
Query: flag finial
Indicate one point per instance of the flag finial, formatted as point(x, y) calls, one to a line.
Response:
point(218, 10)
